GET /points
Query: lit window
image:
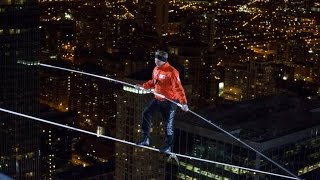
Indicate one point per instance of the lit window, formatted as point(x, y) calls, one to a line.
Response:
point(11, 31)
point(20, 2)
point(5, 2)
point(14, 31)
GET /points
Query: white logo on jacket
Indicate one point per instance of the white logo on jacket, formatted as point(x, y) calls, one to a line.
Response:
point(162, 76)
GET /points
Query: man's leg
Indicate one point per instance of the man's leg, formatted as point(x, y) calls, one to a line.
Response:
point(168, 111)
point(146, 122)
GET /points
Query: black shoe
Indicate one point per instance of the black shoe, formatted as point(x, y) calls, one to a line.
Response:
point(144, 141)
point(165, 149)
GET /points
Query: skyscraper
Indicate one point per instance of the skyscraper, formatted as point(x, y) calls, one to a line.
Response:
point(196, 70)
point(153, 16)
point(93, 99)
point(132, 162)
point(19, 46)
point(276, 126)
point(260, 79)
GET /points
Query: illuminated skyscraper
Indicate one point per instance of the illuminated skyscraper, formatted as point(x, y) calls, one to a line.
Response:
point(283, 135)
point(236, 82)
point(132, 162)
point(197, 70)
point(200, 27)
point(55, 87)
point(93, 99)
point(261, 81)
point(19, 48)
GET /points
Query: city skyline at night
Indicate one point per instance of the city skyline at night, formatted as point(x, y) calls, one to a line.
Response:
point(251, 67)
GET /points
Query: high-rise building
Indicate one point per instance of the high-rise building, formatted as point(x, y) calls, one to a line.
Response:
point(153, 16)
point(236, 82)
point(56, 143)
point(261, 81)
point(19, 50)
point(196, 68)
point(133, 162)
point(56, 87)
point(200, 27)
point(93, 99)
point(283, 135)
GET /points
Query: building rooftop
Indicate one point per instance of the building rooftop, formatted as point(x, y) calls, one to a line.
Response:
point(263, 119)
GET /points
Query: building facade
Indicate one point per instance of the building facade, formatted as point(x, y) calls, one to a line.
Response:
point(19, 49)
point(133, 162)
point(292, 145)
point(153, 16)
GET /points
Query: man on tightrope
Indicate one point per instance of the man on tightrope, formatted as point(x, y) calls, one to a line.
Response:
point(165, 81)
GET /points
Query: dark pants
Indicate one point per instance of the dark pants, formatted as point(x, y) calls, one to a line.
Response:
point(167, 110)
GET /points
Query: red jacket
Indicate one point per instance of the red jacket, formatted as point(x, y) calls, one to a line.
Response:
point(165, 80)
